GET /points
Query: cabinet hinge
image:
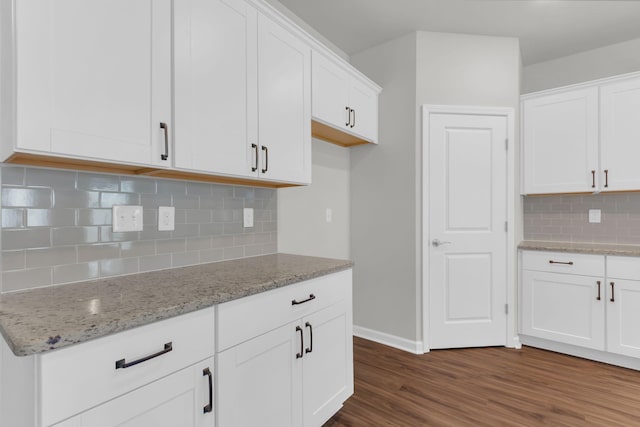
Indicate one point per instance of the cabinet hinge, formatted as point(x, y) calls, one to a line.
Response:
point(506, 309)
point(506, 226)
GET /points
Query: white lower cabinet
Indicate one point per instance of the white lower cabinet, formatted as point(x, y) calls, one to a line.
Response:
point(568, 298)
point(623, 305)
point(297, 373)
point(563, 307)
point(184, 399)
point(154, 375)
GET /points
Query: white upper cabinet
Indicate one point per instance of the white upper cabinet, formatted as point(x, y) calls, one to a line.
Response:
point(620, 134)
point(582, 139)
point(345, 105)
point(215, 85)
point(242, 93)
point(94, 79)
point(560, 150)
point(284, 104)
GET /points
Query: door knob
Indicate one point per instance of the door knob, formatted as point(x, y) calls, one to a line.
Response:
point(438, 242)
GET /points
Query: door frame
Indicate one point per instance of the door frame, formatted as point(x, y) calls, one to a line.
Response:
point(511, 338)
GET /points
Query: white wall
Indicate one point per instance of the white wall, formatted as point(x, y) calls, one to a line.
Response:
point(593, 64)
point(302, 225)
point(421, 68)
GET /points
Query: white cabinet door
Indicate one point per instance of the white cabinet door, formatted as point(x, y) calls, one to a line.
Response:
point(259, 381)
point(623, 317)
point(564, 307)
point(215, 86)
point(330, 101)
point(176, 400)
point(94, 79)
point(284, 104)
point(620, 135)
point(328, 363)
point(364, 103)
point(343, 102)
point(560, 149)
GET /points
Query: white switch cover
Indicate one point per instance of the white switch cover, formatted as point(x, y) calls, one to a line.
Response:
point(247, 215)
point(166, 218)
point(329, 215)
point(595, 216)
point(126, 218)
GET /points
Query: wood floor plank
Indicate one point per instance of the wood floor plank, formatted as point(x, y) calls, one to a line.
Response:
point(486, 387)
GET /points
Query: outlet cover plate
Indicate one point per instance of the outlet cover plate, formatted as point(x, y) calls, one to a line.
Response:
point(247, 216)
point(126, 218)
point(166, 218)
point(595, 216)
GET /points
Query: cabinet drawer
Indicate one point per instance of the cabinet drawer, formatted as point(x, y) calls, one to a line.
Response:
point(619, 267)
point(563, 262)
point(77, 378)
point(252, 316)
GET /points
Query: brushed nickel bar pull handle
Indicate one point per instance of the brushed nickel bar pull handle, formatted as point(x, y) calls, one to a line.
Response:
point(613, 288)
point(299, 355)
point(122, 364)
point(165, 156)
point(310, 348)
point(348, 116)
point(598, 298)
point(296, 302)
point(255, 150)
point(209, 407)
point(354, 118)
point(606, 178)
point(266, 159)
point(593, 179)
point(560, 262)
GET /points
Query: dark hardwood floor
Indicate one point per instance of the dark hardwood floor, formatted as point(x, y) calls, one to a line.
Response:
point(486, 387)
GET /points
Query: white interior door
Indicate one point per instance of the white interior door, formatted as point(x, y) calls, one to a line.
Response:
point(467, 211)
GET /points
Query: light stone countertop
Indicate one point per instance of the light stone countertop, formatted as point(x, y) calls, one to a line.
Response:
point(48, 318)
point(581, 248)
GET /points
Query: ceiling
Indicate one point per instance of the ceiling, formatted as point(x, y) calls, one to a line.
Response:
point(547, 29)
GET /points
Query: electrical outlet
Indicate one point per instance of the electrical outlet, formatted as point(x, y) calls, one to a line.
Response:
point(595, 216)
point(166, 218)
point(126, 218)
point(247, 216)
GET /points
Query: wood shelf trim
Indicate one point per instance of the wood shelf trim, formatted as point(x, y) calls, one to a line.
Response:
point(104, 167)
point(335, 136)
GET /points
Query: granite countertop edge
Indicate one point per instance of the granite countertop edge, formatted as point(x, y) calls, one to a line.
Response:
point(581, 248)
point(45, 319)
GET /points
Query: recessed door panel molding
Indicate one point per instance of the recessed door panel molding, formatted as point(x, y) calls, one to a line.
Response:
point(471, 304)
point(469, 174)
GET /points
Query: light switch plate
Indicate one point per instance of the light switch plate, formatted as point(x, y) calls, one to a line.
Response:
point(595, 216)
point(247, 215)
point(126, 218)
point(166, 218)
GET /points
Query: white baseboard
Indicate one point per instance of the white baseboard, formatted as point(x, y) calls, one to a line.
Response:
point(414, 347)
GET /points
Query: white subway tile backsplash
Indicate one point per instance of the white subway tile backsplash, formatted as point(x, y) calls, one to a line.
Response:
point(56, 225)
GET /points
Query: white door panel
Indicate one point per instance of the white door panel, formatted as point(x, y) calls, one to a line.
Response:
point(467, 212)
point(623, 317)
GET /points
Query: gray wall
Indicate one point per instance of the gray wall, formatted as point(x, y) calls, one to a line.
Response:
point(421, 68)
point(593, 64)
point(564, 218)
point(302, 225)
point(56, 225)
point(383, 203)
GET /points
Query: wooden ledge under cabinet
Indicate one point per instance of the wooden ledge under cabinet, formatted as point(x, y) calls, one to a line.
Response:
point(104, 167)
point(335, 136)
